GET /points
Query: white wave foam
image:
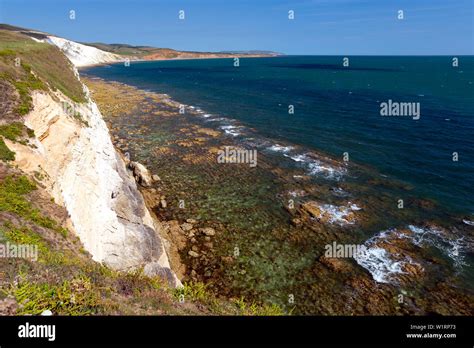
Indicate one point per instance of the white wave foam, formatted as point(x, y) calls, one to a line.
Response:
point(280, 148)
point(231, 130)
point(317, 167)
point(383, 267)
point(380, 264)
point(468, 222)
point(339, 192)
point(297, 158)
point(441, 239)
point(354, 207)
point(297, 193)
point(217, 119)
point(338, 214)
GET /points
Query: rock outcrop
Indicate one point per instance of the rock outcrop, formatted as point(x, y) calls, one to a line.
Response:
point(141, 174)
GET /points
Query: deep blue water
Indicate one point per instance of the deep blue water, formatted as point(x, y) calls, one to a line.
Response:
point(337, 109)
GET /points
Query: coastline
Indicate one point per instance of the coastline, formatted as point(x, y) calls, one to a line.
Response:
point(186, 245)
point(180, 58)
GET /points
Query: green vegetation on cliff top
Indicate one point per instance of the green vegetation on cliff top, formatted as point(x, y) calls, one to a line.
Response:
point(31, 65)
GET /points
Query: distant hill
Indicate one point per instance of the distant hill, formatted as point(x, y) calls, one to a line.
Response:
point(124, 49)
point(152, 53)
point(85, 53)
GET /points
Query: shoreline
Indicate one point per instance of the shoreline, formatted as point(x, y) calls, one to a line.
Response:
point(147, 107)
point(165, 59)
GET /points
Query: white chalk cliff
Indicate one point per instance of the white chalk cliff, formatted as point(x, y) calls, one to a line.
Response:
point(85, 174)
point(82, 55)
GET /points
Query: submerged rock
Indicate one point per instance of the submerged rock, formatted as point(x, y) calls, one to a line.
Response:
point(193, 253)
point(336, 264)
point(208, 231)
point(296, 222)
point(187, 226)
point(331, 214)
point(163, 203)
point(141, 174)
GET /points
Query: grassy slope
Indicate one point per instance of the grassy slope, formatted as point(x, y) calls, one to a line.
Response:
point(25, 66)
point(49, 65)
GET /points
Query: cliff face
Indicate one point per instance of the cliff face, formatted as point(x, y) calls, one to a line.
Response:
point(82, 55)
point(84, 173)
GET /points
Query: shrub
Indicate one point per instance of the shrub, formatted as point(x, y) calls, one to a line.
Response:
point(30, 132)
point(5, 153)
point(12, 131)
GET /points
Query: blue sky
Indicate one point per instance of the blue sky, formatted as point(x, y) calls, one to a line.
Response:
point(341, 27)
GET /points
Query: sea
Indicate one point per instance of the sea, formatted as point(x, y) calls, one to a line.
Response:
point(393, 129)
point(319, 103)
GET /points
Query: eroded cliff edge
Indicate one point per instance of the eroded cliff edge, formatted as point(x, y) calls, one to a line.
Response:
point(84, 173)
